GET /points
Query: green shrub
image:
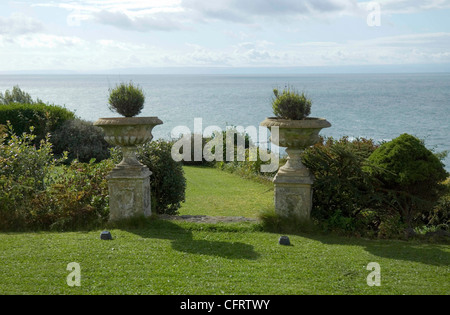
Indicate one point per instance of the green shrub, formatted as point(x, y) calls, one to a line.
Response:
point(24, 172)
point(77, 197)
point(20, 159)
point(14, 196)
point(343, 189)
point(168, 184)
point(290, 104)
point(440, 215)
point(81, 139)
point(411, 176)
point(43, 118)
point(246, 164)
point(250, 168)
point(126, 99)
point(16, 96)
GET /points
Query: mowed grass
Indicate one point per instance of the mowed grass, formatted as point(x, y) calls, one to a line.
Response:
point(217, 193)
point(164, 257)
point(177, 258)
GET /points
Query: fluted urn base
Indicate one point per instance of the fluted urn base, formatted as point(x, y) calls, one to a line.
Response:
point(129, 182)
point(293, 181)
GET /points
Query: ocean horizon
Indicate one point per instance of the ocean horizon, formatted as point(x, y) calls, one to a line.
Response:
point(379, 106)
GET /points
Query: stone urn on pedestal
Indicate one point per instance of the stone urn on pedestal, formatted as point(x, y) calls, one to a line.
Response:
point(292, 129)
point(129, 181)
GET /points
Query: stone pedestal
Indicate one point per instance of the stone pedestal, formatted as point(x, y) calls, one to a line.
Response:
point(129, 192)
point(293, 188)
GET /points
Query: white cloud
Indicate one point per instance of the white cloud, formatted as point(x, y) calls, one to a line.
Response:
point(412, 6)
point(404, 49)
point(249, 11)
point(167, 15)
point(43, 51)
point(41, 40)
point(215, 41)
point(160, 22)
point(140, 15)
point(172, 14)
point(18, 24)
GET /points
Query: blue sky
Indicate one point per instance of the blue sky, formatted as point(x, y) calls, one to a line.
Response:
point(97, 35)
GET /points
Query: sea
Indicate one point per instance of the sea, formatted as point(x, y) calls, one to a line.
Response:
point(375, 106)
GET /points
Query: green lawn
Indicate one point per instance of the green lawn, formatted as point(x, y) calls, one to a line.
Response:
point(167, 257)
point(217, 193)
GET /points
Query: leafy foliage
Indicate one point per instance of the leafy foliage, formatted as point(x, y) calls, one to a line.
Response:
point(24, 169)
point(343, 189)
point(126, 99)
point(82, 140)
point(19, 159)
point(168, 183)
point(77, 197)
point(290, 104)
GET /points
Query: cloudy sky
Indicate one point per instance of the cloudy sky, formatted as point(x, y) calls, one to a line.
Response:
point(96, 35)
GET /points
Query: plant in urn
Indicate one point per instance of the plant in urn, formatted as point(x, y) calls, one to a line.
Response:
point(129, 182)
point(293, 129)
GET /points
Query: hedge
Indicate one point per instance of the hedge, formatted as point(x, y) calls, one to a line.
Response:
point(43, 117)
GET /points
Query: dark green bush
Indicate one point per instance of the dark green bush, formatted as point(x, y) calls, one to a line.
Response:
point(81, 139)
point(43, 118)
point(411, 176)
point(343, 190)
point(168, 183)
point(126, 99)
point(290, 104)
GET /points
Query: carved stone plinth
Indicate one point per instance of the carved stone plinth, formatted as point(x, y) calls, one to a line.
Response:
point(129, 193)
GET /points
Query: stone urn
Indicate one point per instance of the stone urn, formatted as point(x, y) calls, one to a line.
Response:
point(129, 181)
point(293, 181)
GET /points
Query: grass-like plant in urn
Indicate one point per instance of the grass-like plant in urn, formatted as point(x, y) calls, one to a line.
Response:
point(126, 99)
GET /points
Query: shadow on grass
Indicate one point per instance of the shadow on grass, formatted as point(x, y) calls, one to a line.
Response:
point(429, 254)
point(413, 250)
point(183, 241)
point(435, 254)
